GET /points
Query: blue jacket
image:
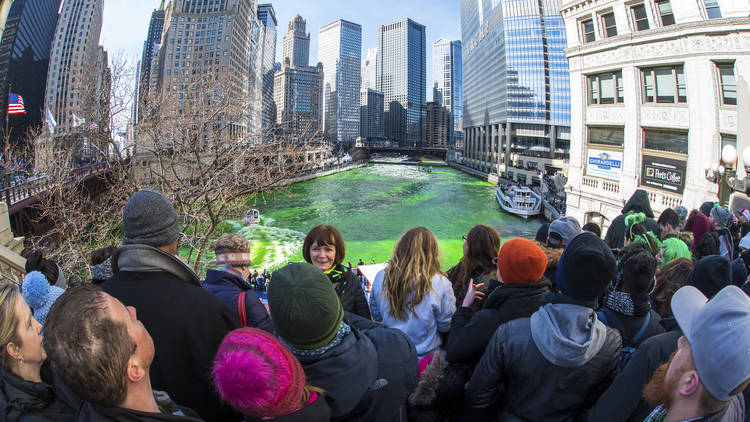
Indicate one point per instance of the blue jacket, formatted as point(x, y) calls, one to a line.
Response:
point(227, 287)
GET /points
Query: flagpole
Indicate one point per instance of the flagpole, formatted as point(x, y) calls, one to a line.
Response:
point(7, 114)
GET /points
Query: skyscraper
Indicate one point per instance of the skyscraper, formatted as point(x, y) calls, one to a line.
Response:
point(153, 39)
point(371, 114)
point(446, 72)
point(24, 60)
point(369, 68)
point(400, 75)
point(267, 45)
point(296, 46)
point(74, 50)
point(521, 106)
point(339, 49)
point(298, 88)
point(212, 37)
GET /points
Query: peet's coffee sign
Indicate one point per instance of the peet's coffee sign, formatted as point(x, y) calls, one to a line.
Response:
point(663, 173)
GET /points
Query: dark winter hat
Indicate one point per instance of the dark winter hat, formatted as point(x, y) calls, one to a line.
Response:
point(586, 267)
point(739, 272)
point(305, 310)
point(706, 208)
point(520, 261)
point(710, 274)
point(721, 216)
point(149, 219)
point(541, 234)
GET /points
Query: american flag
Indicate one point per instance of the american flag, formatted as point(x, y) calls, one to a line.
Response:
point(15, 105)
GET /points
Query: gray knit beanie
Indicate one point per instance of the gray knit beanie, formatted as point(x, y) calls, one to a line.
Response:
point(149, 219)
point(721, 216)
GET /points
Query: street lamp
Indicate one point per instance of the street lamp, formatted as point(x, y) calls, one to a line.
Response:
point(724, 173)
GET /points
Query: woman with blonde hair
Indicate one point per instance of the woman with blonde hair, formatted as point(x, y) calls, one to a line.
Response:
point(23, 394)
point(412, 294)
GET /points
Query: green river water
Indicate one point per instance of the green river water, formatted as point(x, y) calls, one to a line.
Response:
point(372, 206)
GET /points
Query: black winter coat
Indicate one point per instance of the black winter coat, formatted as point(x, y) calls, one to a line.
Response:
point(227, 287)
point(629, 326)
point(469, 336)
point(317, 411)
point(350, 292)
point(186, 322)
point(26, 401)
point(639, 202)
point(368, 376)
point(623, 400)
point(95, 413)
point(514, 380)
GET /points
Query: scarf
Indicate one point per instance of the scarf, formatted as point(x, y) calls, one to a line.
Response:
point(344, 329)
point(635, 304)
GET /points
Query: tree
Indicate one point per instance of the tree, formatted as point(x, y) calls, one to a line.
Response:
point(194, 148)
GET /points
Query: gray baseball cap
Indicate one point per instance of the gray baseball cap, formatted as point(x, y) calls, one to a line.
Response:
point(565, 227)
point(719, 334)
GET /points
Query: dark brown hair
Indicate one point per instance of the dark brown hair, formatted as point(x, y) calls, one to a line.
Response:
point(88, 349)
point(668, 280)
point(669, 216)
point(483, 247)
point(324, 235)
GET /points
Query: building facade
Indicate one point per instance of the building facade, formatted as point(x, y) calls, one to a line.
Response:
point(339, 49)
point(371, 115)
point(212, 37)
point(516, 117)
point(369, 67)
point(24, 60)
point(267, 44)
point(298, 95)
point(74, 49)
point(439, 129)
point(296, 44)
point(447, 74)
point(150, 46)
point(655, 86)
point(400, 76)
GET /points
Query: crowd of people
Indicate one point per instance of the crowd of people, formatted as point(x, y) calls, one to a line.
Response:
point(650, 324)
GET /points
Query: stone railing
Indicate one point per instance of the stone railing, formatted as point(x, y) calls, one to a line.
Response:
point(604, 187)
point(661, 201)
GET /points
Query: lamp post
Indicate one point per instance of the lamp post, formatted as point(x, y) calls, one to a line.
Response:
point(724, 173)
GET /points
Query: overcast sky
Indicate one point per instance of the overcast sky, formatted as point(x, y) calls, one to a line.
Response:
point(126, 22)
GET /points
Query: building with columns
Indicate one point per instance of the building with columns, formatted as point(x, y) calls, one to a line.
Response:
point(654, 94)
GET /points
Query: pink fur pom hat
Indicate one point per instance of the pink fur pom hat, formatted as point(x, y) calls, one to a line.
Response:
point(258, 375)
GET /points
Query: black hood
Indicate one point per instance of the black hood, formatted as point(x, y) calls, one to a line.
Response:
point(639, 202)
point(517, 291)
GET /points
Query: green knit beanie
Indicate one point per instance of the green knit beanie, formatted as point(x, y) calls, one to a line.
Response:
point(305, 310)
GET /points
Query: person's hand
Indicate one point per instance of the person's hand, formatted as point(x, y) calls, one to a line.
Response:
point(473, 294)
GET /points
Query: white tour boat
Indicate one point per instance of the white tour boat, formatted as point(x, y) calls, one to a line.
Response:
point(519, 200)
point(252, 216)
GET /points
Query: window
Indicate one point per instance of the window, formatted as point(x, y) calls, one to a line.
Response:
point(606, 88)
point(613, 136)
point(712, 9)
point(665, 12)
point(608, 23)
point(664, 85)
point(666, 141)
point(587, 29)
point(727, 83)
point(728, 140)
point(640, 19)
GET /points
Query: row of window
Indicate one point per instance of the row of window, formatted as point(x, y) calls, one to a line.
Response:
point(638, 15)
point(673, 141)
point(663, 84)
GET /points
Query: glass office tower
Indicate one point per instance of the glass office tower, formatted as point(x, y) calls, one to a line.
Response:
point(447, 74)
point(340, 51)
point(516, 101)
point(24, 59)
point(400, 76)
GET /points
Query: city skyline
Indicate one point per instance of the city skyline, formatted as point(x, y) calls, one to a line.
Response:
point(125, 23)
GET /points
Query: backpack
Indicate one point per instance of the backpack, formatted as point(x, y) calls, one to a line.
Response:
point(627, 350)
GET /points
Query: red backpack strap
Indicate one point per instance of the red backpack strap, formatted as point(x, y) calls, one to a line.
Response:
point(241, 309)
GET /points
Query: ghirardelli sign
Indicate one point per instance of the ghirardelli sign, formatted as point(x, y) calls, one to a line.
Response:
point(663, 173)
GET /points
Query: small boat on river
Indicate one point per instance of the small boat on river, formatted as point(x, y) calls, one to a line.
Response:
point(519, 200)
point(252, 216)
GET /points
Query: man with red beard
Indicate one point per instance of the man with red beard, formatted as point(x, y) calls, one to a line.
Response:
point(704, 377)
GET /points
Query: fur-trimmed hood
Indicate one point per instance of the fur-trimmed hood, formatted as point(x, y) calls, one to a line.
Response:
point(553, 255)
